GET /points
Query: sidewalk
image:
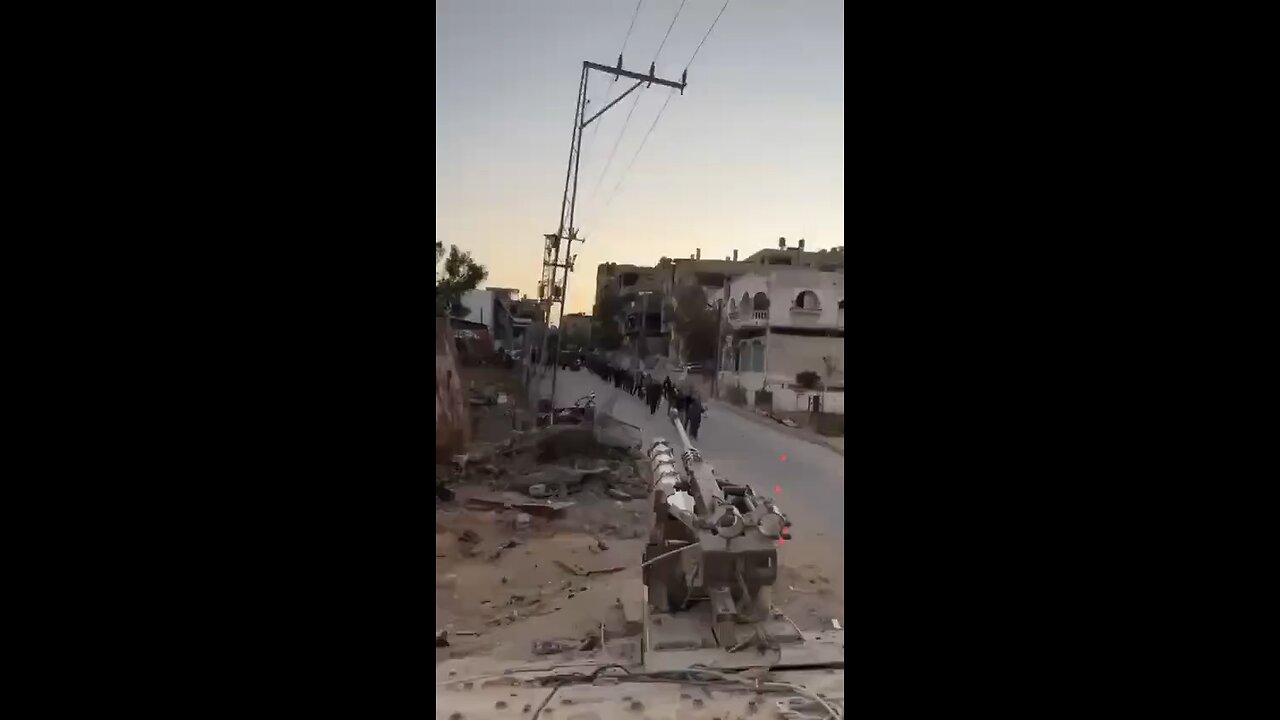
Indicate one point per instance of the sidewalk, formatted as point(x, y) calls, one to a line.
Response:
point(835, 443)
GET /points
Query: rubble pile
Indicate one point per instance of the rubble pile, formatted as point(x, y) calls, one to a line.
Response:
point(551, 462)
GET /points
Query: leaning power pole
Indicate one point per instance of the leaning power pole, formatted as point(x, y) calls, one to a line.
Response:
point(554, 285)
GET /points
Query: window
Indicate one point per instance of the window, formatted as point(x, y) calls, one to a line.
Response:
point(760, 301)
point(807, 300)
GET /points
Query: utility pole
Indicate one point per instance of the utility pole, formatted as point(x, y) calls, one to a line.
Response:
point(549, 290)
point(720, 310)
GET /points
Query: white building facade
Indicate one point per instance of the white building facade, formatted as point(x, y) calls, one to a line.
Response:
point(779, 323)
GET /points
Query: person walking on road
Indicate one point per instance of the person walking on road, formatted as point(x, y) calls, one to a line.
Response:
point(653, 392)
point(693, 412)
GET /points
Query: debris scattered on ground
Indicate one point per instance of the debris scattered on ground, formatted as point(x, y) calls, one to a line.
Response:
point(835, 623)
point(497, 552)
point(539, 490)
point(523, 520)
point(443, 492)
point(552, 647)
point(469, 536)
point(582, 572)
point(544, 509)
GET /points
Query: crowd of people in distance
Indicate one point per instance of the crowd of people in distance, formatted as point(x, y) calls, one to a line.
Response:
point(641, 384)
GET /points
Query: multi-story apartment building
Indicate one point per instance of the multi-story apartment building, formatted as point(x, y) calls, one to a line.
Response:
point(649, 293)
point(780, 322)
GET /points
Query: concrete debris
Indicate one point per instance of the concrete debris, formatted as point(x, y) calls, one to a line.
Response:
point(618, 494)
point(469, 536)
point(538, 490)
point(442, 638)
point(504, 546)
point(835, 623)
point(523, 520)
point(552, 647)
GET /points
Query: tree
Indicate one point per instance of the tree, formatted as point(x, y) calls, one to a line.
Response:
point(461, 273)
point(695, 321)
point(807, 379)
point(605, 335)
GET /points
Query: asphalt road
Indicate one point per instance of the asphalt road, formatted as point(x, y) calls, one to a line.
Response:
point(806, 479)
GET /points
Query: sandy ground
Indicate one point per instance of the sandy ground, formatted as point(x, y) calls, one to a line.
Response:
point(515, 597)
point(524, 596)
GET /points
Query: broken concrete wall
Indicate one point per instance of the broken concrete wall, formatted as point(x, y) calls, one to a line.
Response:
point(452, 424)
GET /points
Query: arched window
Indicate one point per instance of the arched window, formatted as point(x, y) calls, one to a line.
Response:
point(733, 306)
point(760, 301)
point(807, 300)
point(746, 302)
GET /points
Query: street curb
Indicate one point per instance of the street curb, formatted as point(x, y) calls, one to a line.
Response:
point(792, 432)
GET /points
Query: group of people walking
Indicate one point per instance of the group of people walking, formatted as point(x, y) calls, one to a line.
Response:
point(642, 385)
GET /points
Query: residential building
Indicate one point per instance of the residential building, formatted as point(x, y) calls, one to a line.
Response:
point(650, 292)
point(576, 325)
point(506, 315)
point(779, 323)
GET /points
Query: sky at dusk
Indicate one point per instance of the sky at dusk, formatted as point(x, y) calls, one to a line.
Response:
point(753, 150)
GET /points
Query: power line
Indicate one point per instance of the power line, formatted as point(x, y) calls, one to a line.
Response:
point(633, 24)
point(642, 142)
point(704, 37)
point(664, 105)
point(608, 96)
point(664, 37)
point(609, 161)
